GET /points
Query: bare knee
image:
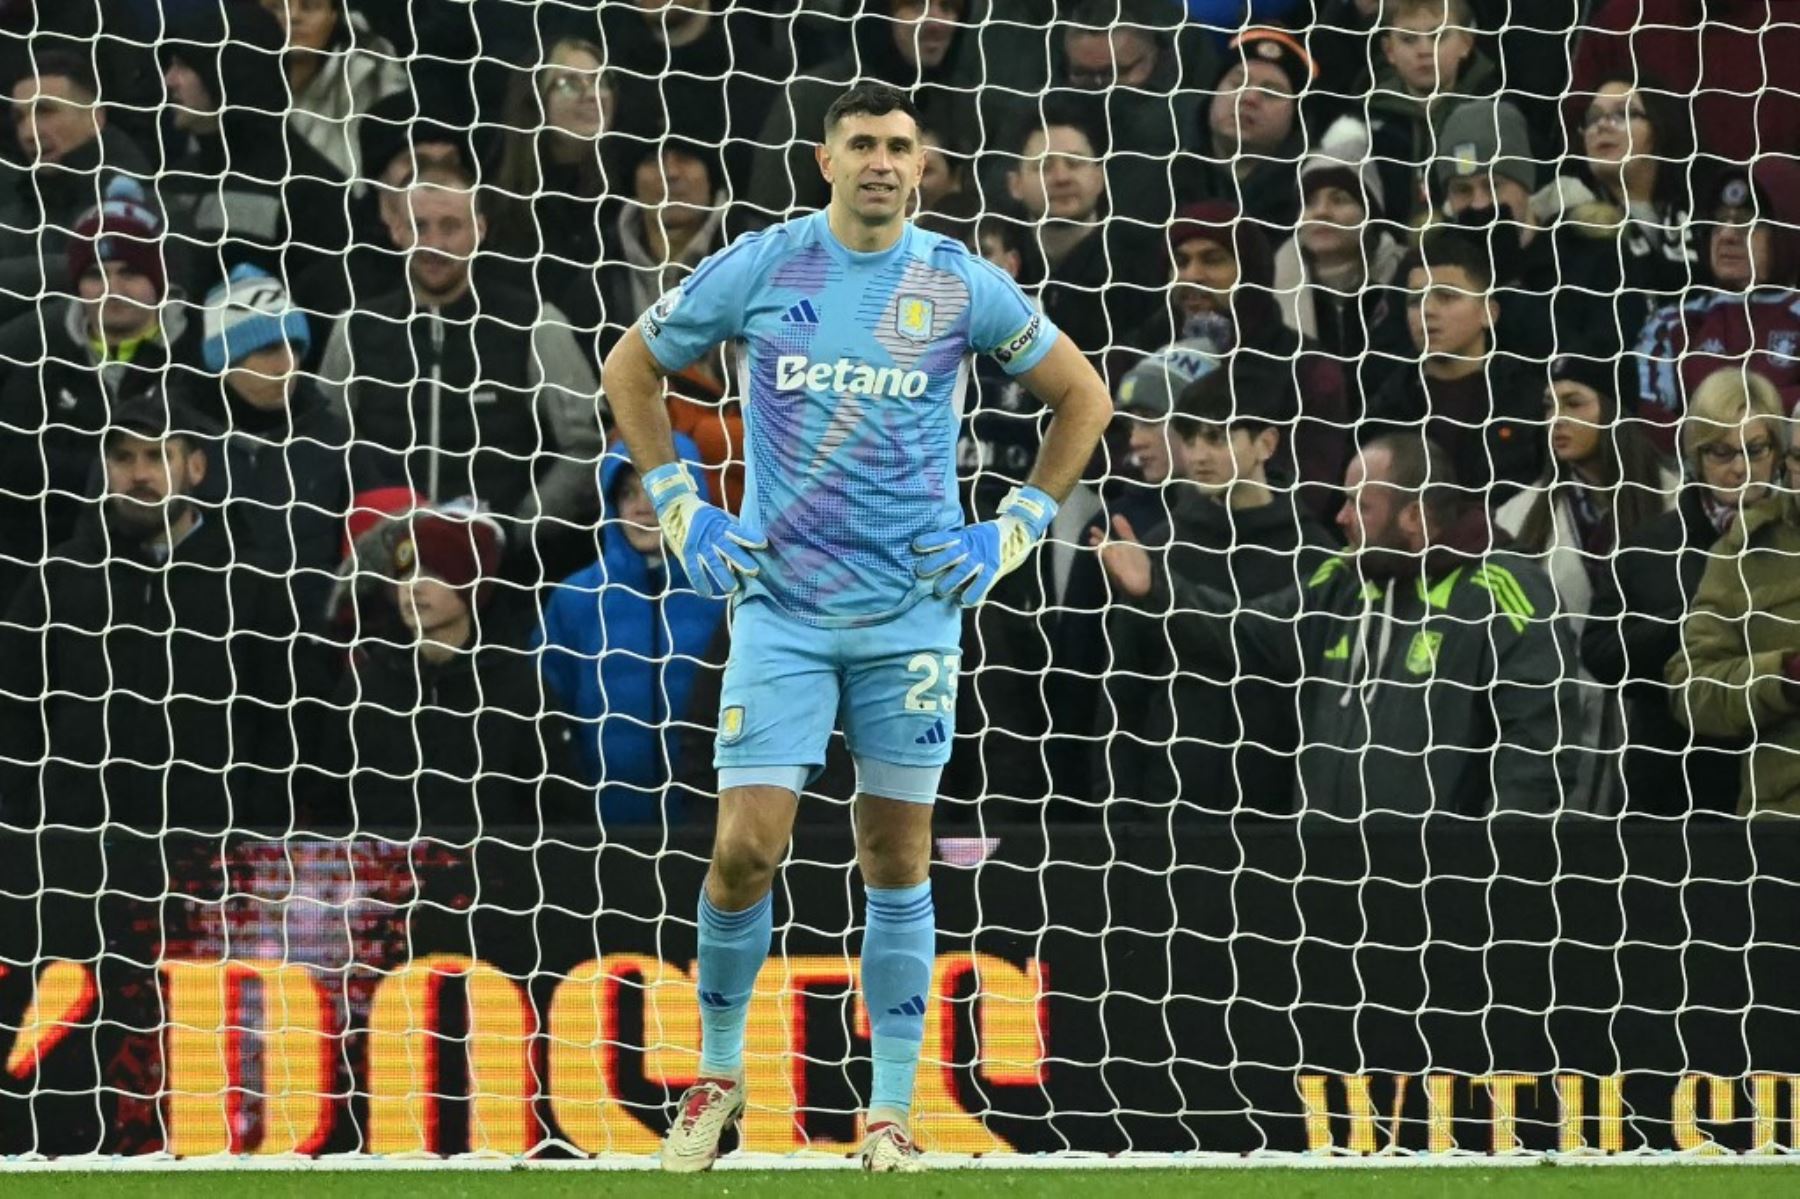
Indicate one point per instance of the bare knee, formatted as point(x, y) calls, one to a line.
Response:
point(755, 824)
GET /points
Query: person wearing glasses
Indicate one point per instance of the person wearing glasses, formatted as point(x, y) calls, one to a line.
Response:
point(1733, 440)
point(1736, 673)
point(1750, 317)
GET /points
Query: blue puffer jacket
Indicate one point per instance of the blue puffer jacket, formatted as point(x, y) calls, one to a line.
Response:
point(622, 650)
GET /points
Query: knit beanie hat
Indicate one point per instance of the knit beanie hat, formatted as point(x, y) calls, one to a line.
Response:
point(1342, 160)
point(1486, 135)
point(459, 549)
point(248, 312)
point(1277, 46)
point(124, 229)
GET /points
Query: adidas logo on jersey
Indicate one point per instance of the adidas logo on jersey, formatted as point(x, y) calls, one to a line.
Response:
point(934, 735)
point(802, 313)
point(795, 372)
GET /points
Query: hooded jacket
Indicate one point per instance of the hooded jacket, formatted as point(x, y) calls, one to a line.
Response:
point(1728, 676)
point(145, 693)
point(253, 190)
point(1186, 732)
point(356, 71)
point(1631, 633)
point(1405, 130)
point(52, 416)
point(623, 645)
point(1439, 692)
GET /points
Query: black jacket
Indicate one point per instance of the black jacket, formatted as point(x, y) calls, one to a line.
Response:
point(147, 694)
point(1496, 445)
point(287, 481)
point(1441, 694)
point(1106, 288)
point(52, 416)
point(1632, 630)
point(411, 748)
point(1186, 732)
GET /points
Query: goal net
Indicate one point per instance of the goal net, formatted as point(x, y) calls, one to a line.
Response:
point(1390, 750)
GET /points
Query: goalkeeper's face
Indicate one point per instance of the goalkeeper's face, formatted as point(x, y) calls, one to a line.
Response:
point(873, 164)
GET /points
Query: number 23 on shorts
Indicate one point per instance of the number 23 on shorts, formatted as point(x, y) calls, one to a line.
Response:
point(935, 687)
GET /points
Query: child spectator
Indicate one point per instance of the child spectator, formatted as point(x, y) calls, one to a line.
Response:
point(1431, 66)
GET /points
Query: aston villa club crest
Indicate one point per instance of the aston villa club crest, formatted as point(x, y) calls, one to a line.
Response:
point(731, 723)
point(912, 320)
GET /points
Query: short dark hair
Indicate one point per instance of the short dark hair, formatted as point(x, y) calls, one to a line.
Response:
point(1452, 246)
point(870, 98)
point(1245, 392)
point(1070, 111)
point(61, 64)
point(1421, 467)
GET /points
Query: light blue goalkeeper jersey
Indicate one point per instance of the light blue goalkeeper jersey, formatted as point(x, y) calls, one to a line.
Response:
point(852, 368)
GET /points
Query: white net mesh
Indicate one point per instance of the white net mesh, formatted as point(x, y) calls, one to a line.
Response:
point(1390, 748)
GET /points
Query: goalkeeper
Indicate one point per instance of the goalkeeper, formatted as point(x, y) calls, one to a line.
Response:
point(848, 566)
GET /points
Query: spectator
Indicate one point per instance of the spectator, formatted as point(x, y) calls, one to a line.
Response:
point(283, 459)
point(142, 665)
point(549, 208)
point(1254, 131)
point(1429, 677)
point(675, 217)
point(1737, 673)
point(1002, 425)
point(1124, 51)
point(238, 182)
point(710, 75)
point(336, 71)
point(397, 139)
point(1097, 286)
point(119, 334)
point(1157, 457)
point(1751, 320)
point(1482, 185)
point(945, 189)
point(1626, 243)
point(1224, 279)
point(1602, 483)
point(1185, 733)
point(446, 735)
point(1733, 440)
point(1333, 277)
point(623, 642)
point(922, 47)
point(1726, 59)
point(1479, 407)
point(453, 398)
point(69, 156)
point(1431, 65)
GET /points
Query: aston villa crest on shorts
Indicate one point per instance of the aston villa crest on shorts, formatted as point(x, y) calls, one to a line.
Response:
point(912, 319)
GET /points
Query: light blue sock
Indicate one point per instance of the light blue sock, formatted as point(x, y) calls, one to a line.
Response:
point(899, 950)
point(733, 947)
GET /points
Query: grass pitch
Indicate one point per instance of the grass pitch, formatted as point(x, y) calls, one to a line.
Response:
point(1687, 1181)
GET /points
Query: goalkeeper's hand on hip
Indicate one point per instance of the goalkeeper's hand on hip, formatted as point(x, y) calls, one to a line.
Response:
point(966, 563)
point(716, 551)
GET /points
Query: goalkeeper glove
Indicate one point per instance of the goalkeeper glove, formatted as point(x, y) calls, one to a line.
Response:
point(967, 562)
point(712, 547)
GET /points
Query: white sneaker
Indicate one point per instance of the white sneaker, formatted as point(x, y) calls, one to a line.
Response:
point(889, 1149)
point(707, 1109)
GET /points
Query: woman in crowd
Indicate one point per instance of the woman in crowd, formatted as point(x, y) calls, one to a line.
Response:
point(1732, 443)
point(336, 71)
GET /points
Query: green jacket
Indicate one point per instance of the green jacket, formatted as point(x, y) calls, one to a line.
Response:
point(1744, 622)
point(1463, 711)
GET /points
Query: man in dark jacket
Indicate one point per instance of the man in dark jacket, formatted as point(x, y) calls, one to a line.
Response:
point(624, 643)
point(69, 156)
point(117, 336)
point(1184, 733)
point(492, 399)
point(283, 462)
point(450, 734)
point(1481, 407)
point(1254, 137)
point(240, 184)
point(146, 674)
point(1431, 677)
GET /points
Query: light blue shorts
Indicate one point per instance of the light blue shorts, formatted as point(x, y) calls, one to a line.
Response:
point(892, 687)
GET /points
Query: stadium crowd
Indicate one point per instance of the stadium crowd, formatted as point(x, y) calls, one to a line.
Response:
point(1455, 353)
